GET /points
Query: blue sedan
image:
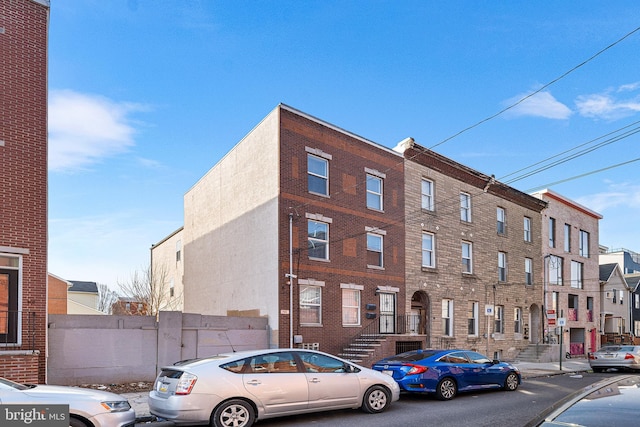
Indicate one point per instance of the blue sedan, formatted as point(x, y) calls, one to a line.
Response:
point(447, 372)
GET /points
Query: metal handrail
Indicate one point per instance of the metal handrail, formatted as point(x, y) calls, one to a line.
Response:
point(16, 324)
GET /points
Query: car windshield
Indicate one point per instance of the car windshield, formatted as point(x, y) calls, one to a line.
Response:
point(614, 348)
point(6, 384)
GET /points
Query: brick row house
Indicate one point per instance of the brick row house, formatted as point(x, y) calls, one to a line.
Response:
point(23, 162)
point(340, 241)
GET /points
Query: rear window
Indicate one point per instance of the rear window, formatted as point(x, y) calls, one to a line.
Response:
point(171, 373)
point(412, 356)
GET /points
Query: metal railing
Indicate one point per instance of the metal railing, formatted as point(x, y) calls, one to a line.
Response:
point(18, 329)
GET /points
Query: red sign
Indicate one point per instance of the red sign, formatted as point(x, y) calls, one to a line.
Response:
point(551, 317)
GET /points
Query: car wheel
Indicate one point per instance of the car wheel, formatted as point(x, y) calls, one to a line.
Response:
point(233, 413)
point(77, 422)
point(446, 389)
point(511, 382)
point(375, 400)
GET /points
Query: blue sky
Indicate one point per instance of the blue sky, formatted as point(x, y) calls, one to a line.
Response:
point(145, 96)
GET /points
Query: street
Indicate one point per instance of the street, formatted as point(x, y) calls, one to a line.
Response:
point(491, 408)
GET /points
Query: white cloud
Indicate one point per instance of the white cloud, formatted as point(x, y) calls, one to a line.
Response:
point(542, 104)
point(624, 195)
point(83, 129)
point(607, 106)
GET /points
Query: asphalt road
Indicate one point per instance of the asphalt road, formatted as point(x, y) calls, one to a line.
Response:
point(490, 408)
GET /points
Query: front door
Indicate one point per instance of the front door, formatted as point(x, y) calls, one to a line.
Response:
point(9, 315)
point(387, 313)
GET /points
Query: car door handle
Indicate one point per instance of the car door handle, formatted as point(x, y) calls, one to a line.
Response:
point(253, 382)
point(314, 380)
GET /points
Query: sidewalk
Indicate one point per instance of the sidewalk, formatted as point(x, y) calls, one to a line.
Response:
point(138, 400)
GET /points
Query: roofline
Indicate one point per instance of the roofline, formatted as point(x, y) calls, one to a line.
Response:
point(338, 129)
point(562, 199)
point(153, 245)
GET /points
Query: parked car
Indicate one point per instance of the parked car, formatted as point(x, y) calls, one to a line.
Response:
point(87, 408)
point(615, 356)
point(237, 389)
point(447, 372)
point(609, 402)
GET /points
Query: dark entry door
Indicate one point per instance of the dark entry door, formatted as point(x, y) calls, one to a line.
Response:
point(387, 313)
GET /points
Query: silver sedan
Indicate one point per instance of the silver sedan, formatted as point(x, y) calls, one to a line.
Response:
point(86, 407)
point(236, 389)
point(615, 356)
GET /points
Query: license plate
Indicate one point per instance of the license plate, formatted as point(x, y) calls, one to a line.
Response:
point(388, 372)
point(609, 356)
point(162, 388)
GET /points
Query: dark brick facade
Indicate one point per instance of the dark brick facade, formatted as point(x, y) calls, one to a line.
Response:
point(23, 162)
point(351, 158)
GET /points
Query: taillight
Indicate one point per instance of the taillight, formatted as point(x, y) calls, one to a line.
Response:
point(629, 356)
point(186, 383)
point(416, 369)
point(592, 356)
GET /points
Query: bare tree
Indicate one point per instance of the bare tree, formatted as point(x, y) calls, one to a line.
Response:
point(106, 298)
point(152, 287)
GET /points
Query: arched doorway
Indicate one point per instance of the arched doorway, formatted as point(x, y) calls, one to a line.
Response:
point(420, 309)
point(534, 329)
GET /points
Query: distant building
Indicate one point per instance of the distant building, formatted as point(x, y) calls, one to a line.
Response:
point(84, 294)
point(615, 316)
point(628, 260)
point(130, 307)
point(167, 270)
point(633, 281)
point(57, 295)
point(23, 162)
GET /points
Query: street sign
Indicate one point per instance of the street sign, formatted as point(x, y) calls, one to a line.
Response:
point(562, 321)
point(551, 317)
point(488, 310)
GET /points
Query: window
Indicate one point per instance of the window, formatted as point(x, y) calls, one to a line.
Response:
point(554, 301)
point(318, 239)
point(572, 305)
point(502, 266)
point(314, 362)
point(427, 195)
point(10, 268)
point(310, 304)
point(614, 293)
point(428, 253)
point(472, 318)
point(318, 172)
point(374, 250)
point(527, 229)
point(517, 320)
point(552, 232)
point(567, 238)
point(555, 270)
point(178, 251)
point(447, 317)
point(528, 271)
point(502, 219)
point(465, 207)
point(584, 244)
point(350, 307)
point(636, 303)
point(467, 257)
point(172, 288)
point(499, 321)
point(621, 296)
point(576, 274)
point(374, 192)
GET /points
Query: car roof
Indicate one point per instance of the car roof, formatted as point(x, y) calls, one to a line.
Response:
point(235, 355)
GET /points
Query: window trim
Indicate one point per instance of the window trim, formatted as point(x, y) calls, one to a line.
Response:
point(501, 218)
point(502, 266)
point(326, 240)
point(315, 175)
point(528, 275)
point(378, 195)
point(465, 211)
point(13, 337)
point(431, 252)
point(430, 196)
point(357, 289)
point(448, 320)
point(380, 252)
point(306, 284)
point(473, 320)
point(527, 229)
point(469, 270)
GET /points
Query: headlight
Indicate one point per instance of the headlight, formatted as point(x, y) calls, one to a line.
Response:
point(117, 406)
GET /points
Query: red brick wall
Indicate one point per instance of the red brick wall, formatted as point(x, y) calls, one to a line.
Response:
point(23, 162)
point(346, 205)
point(20, 368)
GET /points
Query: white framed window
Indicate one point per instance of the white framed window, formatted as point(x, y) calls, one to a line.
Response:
point(310, 304)
point(318, 239)
point(567, 238)
point(318, 175)
point(527, 229)
point(552, 232)
point(375, 246)
point(517, 320)
point(501, 217)
point(584, 244)
point(636, 299)
point(528, 271)
point(472, 318)
point(428, 250)
point(374, 192)
point(447, 317)
point(555, 270)
point(427, 195)
point(178, 250)
point(577, 269)
point(10, 304)
point(502, 266)
point(467, 257)
point(350, 307)
point(465, 207)
point(499, 320)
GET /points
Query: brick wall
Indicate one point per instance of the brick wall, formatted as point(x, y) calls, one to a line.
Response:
point(23, 161)
point(346, 206)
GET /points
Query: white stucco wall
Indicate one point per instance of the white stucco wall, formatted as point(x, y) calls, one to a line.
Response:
point(165, 265)
point(231, 230)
